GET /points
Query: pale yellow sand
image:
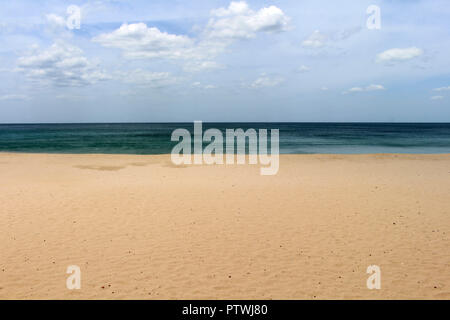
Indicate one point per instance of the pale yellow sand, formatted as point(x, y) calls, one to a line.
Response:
point(139, 227)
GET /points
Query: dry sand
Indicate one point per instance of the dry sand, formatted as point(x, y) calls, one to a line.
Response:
point(140, 228)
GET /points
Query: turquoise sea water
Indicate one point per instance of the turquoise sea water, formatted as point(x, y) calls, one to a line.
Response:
point(296, 138)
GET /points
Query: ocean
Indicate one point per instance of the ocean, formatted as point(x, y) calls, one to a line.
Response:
point(295, 138)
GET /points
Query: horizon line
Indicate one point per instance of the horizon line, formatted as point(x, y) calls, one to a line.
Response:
point(281, 122)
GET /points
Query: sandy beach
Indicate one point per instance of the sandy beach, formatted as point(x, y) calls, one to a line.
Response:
point(140, 228)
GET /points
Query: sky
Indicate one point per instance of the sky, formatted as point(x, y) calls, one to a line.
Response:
point(270, 61)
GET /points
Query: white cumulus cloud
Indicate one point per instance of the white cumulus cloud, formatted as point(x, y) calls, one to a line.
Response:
point(238, 21)
point(372, 87)
point(303, 69)
point(436, 97)
point(196, 66)
point(399, 54)
point(62, 65)
point(139, 41)
point(55, 20)
point(442, 89)
point(266, 81)
point(198, 84)
point(14, 97)
point(145, 78)
point(315, 40)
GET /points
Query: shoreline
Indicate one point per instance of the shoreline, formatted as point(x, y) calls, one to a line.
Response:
point(280, 154)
